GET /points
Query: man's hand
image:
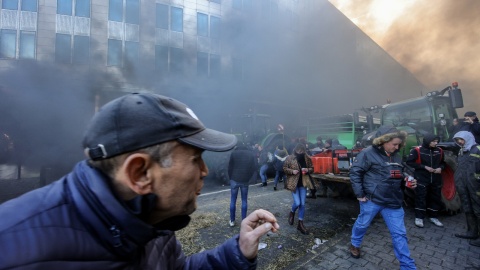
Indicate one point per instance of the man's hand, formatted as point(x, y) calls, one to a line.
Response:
point(252, 228)
point(364, 199)
point(437, 170)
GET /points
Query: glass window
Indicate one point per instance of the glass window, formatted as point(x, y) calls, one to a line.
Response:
point(214, 27)
point(215, 65)
point(29, 5)
point(161, 58)
point(202, 24)
point(81, 49)
point(202, 64)
point(132, 12)
point(82, 8)
point(114, 57)
point(131, 53)
point(216, 1)
point(176, 60)
point(27, 45)
point(64, 7)
point(8, 43)
point(10, 4)
point(177, 19)
point(115, 10)
point(162, 16)
point(63, 48)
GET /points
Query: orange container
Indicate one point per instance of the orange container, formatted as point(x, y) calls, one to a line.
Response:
point(325, 165)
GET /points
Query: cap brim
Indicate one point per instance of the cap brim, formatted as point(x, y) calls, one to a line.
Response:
point(211, 140)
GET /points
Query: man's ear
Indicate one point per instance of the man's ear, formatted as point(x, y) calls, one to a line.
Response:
point(135, 169)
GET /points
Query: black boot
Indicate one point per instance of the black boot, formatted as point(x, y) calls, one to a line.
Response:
point(472, 228)
point(312, 194)
point(291, 218)
point(476, 242)
point(301, 227)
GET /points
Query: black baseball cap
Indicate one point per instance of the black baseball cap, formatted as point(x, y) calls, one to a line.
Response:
point(139, 120)
point(469, 114)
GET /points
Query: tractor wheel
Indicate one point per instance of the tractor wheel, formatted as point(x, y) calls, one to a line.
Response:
point(450, 197)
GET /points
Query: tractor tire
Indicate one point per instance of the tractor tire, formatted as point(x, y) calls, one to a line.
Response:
point(450, 197)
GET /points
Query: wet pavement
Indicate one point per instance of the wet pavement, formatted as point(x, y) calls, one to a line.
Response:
point(329, 221)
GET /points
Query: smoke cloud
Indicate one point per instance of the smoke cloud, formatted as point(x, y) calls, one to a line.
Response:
point(436, 40)
point(295, 66)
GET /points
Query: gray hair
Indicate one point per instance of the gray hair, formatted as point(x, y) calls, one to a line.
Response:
point(161, 153)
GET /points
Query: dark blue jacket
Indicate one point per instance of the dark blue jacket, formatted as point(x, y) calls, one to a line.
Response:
point(378, 177)
point(79, 223)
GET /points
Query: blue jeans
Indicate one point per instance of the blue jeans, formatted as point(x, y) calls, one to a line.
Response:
point(299, 197)
point(234, 187)
point(394, 220)
point(263, 173)
point(278, 175)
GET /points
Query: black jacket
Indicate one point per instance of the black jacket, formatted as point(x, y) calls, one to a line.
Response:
point(243, 165)
point(378, 177)
point(431, 157)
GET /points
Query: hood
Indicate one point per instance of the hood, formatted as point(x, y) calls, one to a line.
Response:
point(428, 138)
point(468, 137)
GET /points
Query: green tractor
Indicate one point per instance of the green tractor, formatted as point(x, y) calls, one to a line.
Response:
point(432, 113)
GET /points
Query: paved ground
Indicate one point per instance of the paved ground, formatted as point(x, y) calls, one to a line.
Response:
point(330, 221)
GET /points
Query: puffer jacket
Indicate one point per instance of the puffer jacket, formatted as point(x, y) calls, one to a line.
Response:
point(378, 177)
point(290, 165)
point(431, 157)
point(78, 223)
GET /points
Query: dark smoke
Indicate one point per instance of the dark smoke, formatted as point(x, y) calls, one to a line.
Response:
point(307, 63)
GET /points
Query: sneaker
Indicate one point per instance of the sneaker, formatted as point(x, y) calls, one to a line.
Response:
point(354, 251)
point(419, 222)
point(436, 222)
point(232, 223)
point(275, 188)
point(263, 185)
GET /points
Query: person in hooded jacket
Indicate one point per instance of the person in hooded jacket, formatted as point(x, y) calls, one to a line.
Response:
point(377, 178)
point(467, 183)
point(120, 208)
point(242, 168)
point(428, 162)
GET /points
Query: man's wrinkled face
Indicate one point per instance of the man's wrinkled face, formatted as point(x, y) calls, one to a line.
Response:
point(179, 185)
point(433, 143)
point(392, 146)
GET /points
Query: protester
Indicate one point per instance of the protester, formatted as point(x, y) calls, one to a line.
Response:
point(471, 124)
point(467, 183)
point(297, 167)
point(454, 128)
point(242, 168)
point(263, 163)
point(120, 208)
point(280, 155)
point(377, 176)
point(428, 162)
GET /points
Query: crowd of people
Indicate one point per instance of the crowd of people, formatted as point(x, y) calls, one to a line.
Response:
point(120, 207)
